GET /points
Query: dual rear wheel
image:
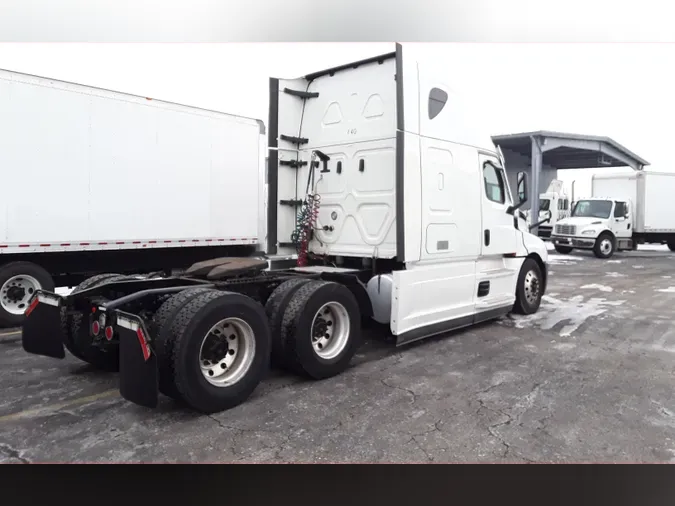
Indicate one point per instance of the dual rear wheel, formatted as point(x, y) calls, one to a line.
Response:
point(215, 347)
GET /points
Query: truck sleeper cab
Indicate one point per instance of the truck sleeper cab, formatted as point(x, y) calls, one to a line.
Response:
point(396, 211)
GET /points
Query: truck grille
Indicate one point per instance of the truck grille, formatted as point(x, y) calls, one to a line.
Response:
point(566, 229)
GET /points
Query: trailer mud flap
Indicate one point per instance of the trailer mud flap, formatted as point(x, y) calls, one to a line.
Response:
point(42, 333)
point(138, 362)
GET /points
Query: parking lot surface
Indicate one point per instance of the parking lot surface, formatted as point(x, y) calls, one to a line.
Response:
point(589, 378)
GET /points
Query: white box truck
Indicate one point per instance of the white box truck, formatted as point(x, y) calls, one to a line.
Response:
point(625, 210)
point(396, 211)
point(94, 180)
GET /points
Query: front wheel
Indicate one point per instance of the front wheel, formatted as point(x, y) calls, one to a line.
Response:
point(529, 290)
point(563, 250)
point(604, 246)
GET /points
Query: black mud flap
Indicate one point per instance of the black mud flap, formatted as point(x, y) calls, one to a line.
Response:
point(138, 362)
point(42, 333)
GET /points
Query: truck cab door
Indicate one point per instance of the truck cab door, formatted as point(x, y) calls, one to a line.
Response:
point(499, 234)
point(622, 220)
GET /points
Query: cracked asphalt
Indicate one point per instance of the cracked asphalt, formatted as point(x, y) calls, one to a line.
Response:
point(589, 378)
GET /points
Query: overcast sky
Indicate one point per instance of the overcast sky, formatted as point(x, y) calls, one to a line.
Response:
point(624, 91)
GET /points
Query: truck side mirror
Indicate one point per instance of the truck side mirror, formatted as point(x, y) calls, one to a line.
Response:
point(521, 191)
point(522, 187)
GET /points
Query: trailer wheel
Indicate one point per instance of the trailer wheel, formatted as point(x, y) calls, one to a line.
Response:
point(671, 245)
point(78, 340)
point(605, 245)
point(164, 342)
point(221, 350)
point(321, 329)
point(529, 289)
point(18, 283)
point(275, 307)
point(563, 250)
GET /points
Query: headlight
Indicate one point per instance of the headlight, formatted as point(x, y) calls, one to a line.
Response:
point(589, 232)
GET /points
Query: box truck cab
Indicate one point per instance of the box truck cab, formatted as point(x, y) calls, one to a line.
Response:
point(398, 210)
point(603, 225)
point(554, 205)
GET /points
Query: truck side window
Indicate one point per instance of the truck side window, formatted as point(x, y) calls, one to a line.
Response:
point(620, 210)
point(494, 183)
point(437, 100)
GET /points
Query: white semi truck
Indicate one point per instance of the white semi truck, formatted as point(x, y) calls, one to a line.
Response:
point(397, 213)
point(625, 210)
point(94, 180)
point(554, 205)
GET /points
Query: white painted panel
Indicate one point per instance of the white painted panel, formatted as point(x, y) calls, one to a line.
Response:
point(658, 198)
point(106, 166)
point(425, 295)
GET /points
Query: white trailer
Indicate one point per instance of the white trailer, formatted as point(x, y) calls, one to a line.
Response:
point(625, 210)
point(397, 213)
point(94, 180)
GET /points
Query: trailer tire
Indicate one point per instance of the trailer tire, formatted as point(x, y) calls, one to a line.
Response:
point(26, 277)
point(274, 308)
point(563, 250)
point(79, 342)
point(529, 288)
point(249, 345)
point(164, 342)
point(326, 356)
point(671, 245)
point(605, 245)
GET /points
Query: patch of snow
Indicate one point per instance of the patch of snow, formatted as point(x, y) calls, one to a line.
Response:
point(565, 346)
point(602, 288)
point(575, 311)
point(627, 291)
point(615, 275)
point(666, 277)
point(653, 247)
point(563, 259)
point(638, 267)
point(670, 289)
point(614, 261)
point(64, 290)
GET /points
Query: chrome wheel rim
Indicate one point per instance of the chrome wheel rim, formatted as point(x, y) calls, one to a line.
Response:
point(227, 352)
point(330, 330)
point(605, 246)
point(531, 287)
point(16, 292)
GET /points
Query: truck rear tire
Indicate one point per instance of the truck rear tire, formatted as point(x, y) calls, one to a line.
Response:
point(671, 245)
point(275, 308)
point(529, 288)
point(605, 245)
point(221, 350)
point(18, 282)
point(164, 341)
point(563, 250)
point(321, 329)
point(78, 339)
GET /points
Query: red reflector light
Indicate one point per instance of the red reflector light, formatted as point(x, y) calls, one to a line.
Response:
point(32, 306)
point(109, 333)
point(144, 344)
point(95, 328)
point(93, 309)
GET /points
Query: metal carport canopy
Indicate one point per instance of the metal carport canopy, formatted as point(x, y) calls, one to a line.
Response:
point(565, 151)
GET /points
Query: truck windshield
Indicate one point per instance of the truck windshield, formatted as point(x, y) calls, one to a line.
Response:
point(544, 204)
point(592, 208)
